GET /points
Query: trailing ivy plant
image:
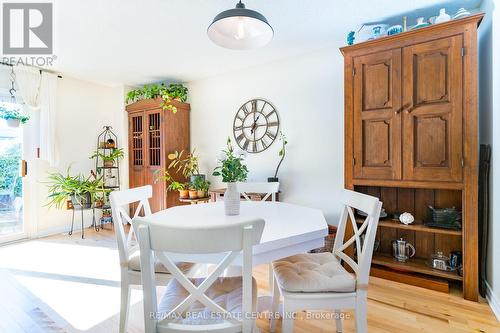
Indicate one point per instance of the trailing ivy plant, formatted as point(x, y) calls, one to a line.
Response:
point(167, 93)
point(13, 114)
point(231, 166)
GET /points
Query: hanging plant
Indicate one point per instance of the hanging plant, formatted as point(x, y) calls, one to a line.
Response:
point(13, 117)
point(174, 91)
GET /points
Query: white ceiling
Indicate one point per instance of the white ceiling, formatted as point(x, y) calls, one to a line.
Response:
point(134, 42)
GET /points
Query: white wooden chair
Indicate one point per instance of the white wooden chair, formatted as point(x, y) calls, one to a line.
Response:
point(319, 281)
point(211, 304)
point(127, 250)
point(259, 187)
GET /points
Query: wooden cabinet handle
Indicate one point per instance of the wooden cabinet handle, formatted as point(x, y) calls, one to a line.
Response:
point(401, 109)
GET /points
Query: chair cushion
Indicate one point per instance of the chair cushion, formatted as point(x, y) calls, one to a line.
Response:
point(313, 272)
point(134, 264)
point(225, 291)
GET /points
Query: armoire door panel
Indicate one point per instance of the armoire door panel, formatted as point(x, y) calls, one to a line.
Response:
point(154, 157)
point(377, 120)
point(136, 149)
point(432, 110)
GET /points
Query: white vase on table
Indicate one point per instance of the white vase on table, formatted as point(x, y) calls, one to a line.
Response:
point(232, 200)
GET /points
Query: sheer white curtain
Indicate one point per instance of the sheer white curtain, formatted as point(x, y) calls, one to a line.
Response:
point(48, 95)
point(39, 92)
point(28, 80)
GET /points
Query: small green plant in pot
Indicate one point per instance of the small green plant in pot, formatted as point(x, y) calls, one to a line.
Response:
point(201, 186)
point(232, 169)
point(173, 185)
point(109, 159)
point(13, 117)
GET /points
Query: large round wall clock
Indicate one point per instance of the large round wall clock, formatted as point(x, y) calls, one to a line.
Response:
point(256, 125)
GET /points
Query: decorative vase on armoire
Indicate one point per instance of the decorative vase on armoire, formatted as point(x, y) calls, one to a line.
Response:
point(232, 200)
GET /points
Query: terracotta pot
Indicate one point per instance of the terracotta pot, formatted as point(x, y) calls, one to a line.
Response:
point(109, 163)
point(193, 194)
point(201, 194)
point(183, 194)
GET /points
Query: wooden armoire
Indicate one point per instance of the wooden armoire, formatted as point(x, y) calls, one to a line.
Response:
point(153, 133)
point(411, 139)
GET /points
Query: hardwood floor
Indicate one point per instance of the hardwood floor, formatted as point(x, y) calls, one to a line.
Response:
point(66, 284)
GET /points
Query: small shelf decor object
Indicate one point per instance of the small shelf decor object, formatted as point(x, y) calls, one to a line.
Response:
point(174, 91)
point(443, 17)
point(232, 170)
point(406, 218)
point(107, 156)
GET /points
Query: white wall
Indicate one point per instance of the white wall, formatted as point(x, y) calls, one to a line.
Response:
point(83, 108)
point(307, 91)
point(489, 132)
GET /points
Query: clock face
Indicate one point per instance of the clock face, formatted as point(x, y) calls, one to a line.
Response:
point(256, 125)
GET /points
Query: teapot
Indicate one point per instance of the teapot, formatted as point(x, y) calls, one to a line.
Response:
point(401, 250)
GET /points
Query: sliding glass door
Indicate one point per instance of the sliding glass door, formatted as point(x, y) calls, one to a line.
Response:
point(12, 170)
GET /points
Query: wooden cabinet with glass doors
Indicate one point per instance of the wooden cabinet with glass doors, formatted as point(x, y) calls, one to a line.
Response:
point(153, 133)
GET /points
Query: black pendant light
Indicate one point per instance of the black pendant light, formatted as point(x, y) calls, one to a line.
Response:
point(240, 29)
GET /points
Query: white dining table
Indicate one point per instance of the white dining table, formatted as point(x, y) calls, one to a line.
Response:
point(289, 229)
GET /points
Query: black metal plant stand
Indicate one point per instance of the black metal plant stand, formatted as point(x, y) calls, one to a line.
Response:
point(82, 208)
point(107, 142)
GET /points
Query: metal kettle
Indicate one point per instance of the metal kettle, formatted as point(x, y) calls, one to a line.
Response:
point(401, 250)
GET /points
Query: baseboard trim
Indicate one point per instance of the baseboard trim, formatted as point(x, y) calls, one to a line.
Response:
point(492, 300)
point(62, 230)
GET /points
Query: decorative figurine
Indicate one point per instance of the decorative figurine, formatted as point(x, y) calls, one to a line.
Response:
point(395, 29)
point(443, 17)
point(350, 38)
point(462, 12)
point(406, 218)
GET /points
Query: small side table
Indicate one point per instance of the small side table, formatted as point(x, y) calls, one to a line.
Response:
point(195, 201)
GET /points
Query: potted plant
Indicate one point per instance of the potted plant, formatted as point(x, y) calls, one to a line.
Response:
point(13, 117)
point(173, 185)
point(180, 187)
point(109, 159)
point(232, 169)
point(186, 163)
point(281, 154)
point(193, 193)
point(174, 91)
point(201, 185)
point(83, 191)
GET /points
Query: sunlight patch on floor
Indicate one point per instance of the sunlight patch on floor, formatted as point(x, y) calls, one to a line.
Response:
point(61, 258)
point(82, 305)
